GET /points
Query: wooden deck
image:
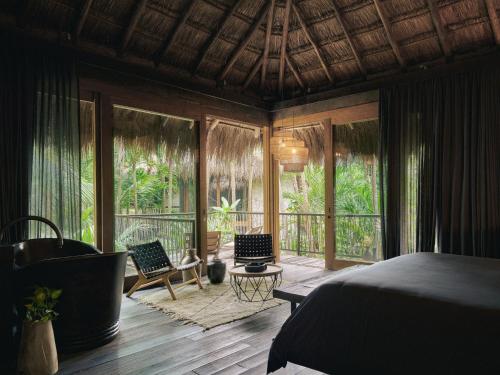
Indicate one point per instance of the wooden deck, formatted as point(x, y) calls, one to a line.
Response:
point(152, 343)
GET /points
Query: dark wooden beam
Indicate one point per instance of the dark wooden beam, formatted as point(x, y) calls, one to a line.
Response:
point(388, 33)
point(284, 40)
point(269, 28)
point(136, 15)
point(494, 21)
point(84, 12)
point(348, 38)
point(244, 43)
point(441, 32)
point(295, 72)
point(22, 13)
point(216, 34)
point(172, 36)
point(313, 43)
point(253, 72)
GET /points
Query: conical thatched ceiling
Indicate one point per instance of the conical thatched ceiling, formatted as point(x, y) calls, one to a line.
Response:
point(273, 48)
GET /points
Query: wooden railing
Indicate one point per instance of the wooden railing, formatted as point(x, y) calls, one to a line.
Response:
point(357, 236)
point(170, 230)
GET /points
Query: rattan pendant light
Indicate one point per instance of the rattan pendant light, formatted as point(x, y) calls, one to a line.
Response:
point(291, 152)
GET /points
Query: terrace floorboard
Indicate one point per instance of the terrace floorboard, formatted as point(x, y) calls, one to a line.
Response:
point(150, 342)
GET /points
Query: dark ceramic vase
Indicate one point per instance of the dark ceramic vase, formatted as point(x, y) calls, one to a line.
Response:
point(216, 271)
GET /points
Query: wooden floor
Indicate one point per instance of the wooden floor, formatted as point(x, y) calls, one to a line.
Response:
point(152, 343)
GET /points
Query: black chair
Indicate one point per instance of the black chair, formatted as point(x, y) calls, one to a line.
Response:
point(249, 248)
point(153, 266)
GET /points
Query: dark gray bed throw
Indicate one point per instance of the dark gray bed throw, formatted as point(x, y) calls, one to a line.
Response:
point(424, 313)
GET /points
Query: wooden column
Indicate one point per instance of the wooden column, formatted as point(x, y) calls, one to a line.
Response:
point(266, 180)
point(202, 196)
point(276, 208)
point(105, 218)
point(329, 195)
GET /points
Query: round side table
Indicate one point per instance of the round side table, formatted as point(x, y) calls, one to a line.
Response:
point(255, 286)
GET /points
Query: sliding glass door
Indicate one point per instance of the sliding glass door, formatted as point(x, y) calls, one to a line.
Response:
point(155, 180)
point(357, 220)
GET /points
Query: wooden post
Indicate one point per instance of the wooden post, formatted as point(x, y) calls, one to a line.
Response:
point(330, 248)
point(104, 166)
point(266, 180)
point(202, 196)
point(298, 233)
point(276, 208)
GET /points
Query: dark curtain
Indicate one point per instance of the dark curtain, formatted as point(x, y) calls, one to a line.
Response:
point(440, 157)
point(40, 140)
point(16, 119)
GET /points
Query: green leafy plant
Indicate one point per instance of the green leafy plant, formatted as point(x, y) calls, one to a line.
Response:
point(222, 217)
point(42, 303)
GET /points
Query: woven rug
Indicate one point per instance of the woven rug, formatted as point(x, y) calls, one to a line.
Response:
point(212, 306)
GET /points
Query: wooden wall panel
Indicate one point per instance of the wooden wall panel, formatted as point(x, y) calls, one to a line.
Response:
point(106, 160)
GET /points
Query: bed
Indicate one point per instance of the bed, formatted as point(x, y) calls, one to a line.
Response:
point(423, 313)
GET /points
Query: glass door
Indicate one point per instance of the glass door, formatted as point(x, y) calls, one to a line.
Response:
point(357, 213)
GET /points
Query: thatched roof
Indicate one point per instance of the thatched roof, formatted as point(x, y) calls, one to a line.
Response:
point(274, 48)
point(359, 138)
point(232, 142)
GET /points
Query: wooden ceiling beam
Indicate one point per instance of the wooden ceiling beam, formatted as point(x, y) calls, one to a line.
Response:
point(444, 40)
point(295, 72)
point(216, 34)
point(269, 29)
point(388, 33)
point(494, 21)
point(348, 37)
point(84, 13)
point(313, 43)
point(136, 15)
point(284, 40)
point(244, 43)
point(172, 36)
point(253, 72)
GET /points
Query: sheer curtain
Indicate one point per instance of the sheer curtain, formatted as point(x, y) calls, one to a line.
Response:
point(41, 147)
point(440, 160)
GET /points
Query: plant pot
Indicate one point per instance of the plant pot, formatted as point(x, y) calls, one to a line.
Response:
point(216, 271)
point(38, 353)
point(190, 257)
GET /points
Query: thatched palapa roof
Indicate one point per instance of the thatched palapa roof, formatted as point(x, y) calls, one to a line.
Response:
point(359, 138)
point(271, 48)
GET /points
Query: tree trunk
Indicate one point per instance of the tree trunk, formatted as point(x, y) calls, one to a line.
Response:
point(134, 181)
point(233, 182)
point(170, 186)
point(118, 190)
point(249, 195)
point(217, 192)
point(186, 196)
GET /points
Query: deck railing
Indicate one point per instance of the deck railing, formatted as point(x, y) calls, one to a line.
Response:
point(357, 235)
point(170, 230)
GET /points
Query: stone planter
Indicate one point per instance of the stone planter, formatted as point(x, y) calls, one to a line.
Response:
point(38, 353)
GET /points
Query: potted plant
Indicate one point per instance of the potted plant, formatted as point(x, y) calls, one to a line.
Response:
point(38, 353)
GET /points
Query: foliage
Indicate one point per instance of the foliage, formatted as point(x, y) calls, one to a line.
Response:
point(42, 303)
point(357, 230)
point(222, 218)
